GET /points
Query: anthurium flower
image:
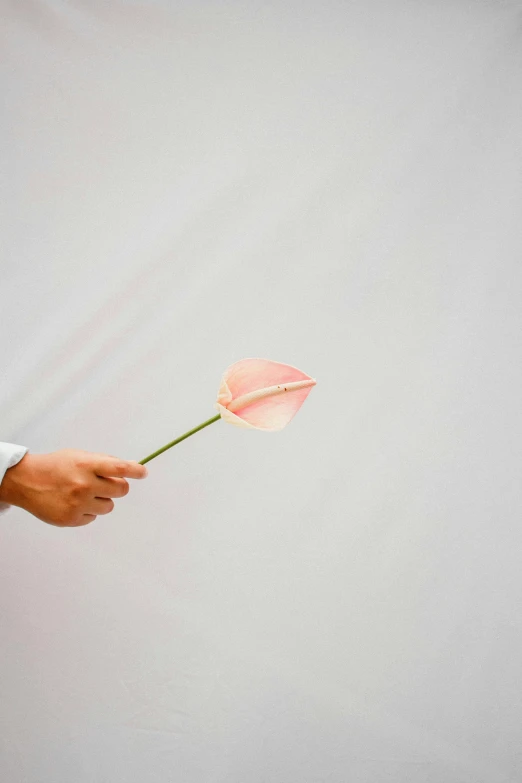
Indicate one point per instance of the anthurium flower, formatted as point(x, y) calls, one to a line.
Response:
point(262, 395)
point(257, 394)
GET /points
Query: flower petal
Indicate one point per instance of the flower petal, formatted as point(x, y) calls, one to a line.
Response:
point(272, 413)
point(249, 375)
point(231, 418)
point(261, 394)
point(224, 393)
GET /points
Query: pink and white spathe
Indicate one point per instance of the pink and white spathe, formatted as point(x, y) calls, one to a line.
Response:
point(262, 395)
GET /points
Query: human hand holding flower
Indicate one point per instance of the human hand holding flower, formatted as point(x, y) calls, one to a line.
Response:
point(69, 488)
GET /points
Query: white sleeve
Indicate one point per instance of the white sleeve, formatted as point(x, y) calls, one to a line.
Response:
point(10, 455)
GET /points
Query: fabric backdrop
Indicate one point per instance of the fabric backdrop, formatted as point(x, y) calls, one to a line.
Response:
point(335, 185)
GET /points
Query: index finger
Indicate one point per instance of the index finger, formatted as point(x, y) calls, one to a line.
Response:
point(112, 467)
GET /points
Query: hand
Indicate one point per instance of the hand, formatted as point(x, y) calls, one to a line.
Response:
point(68, 488)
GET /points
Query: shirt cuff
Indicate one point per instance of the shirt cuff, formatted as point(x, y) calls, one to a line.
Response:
point(10, 455)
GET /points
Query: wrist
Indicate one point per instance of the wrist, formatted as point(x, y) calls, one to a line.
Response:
point(14, 480)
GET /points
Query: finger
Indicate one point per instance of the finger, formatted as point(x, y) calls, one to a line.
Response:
point(99, 506)
point(110, 487)
point(112, 467)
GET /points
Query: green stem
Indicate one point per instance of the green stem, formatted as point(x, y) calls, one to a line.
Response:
point(178, 440)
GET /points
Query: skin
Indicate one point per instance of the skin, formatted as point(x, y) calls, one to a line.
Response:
point(68, 488)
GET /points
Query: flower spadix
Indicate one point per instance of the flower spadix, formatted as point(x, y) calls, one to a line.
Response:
point(261, 394)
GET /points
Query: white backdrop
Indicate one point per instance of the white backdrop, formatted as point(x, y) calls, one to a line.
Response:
point(335, 185)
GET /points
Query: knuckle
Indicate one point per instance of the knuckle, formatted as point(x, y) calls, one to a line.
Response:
point(72, 508)
point(109, 506)
point(79, 487)
point(82, 459)
point(67, 517)
point(125, 487)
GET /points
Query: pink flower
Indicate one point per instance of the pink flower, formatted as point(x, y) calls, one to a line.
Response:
point(262, 395)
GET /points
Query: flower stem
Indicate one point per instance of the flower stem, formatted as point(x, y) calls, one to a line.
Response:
point(178, 440)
